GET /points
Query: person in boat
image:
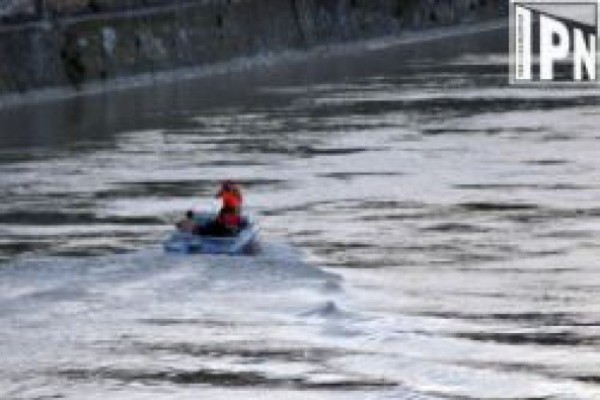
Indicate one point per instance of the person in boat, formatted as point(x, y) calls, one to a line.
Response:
point(230, 215)
point(229, 219)
point(187, 224)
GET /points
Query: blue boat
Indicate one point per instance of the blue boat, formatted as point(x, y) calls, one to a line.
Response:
point(243, 242)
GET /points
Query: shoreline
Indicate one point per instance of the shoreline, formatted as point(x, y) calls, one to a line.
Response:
point(240, 64)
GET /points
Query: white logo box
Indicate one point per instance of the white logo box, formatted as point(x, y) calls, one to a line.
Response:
point(565, 33)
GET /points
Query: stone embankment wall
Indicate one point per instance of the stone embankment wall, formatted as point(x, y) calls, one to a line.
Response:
point(46, 43)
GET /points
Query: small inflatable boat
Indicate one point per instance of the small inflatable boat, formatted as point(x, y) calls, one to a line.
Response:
point(243, 242)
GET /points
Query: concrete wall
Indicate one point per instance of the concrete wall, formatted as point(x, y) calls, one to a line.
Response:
point(79, 43)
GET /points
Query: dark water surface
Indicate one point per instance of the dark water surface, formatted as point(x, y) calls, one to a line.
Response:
point(428, 232)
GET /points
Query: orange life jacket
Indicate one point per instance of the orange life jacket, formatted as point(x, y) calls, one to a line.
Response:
point(232, 201)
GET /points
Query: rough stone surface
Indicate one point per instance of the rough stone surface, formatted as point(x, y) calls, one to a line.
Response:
point(78, 41)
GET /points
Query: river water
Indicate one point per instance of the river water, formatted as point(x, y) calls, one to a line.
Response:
point(427, 232)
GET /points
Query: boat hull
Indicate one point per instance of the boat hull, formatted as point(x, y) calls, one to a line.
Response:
point(189, 243)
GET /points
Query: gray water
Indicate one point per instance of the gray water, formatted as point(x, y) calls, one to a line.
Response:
point(427, 232)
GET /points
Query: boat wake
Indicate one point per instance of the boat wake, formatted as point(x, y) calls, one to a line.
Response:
point(158, 320)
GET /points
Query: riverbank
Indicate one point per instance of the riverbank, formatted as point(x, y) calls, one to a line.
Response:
point(241, 64)
point(85, 52)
